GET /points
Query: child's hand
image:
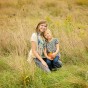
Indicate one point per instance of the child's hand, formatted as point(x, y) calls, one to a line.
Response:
point(53, 55)
point(50, 58)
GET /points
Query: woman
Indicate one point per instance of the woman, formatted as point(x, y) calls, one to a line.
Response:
point(37, 45)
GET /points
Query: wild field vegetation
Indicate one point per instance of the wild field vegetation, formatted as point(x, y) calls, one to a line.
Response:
point(68, 21)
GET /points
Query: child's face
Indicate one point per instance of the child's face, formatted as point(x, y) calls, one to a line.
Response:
point(48, 35)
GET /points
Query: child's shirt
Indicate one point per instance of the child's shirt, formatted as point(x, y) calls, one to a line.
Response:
point(51, 46)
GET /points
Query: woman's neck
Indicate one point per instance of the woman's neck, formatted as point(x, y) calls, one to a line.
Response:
point(40, 33)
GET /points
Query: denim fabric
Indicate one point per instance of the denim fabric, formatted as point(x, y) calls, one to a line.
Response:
point(56, 63)
point(40, 65)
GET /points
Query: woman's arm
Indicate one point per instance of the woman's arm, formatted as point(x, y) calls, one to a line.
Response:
point(33, 44)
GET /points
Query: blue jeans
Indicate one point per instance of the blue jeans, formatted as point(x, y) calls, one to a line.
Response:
point(56, 63)
point(40, 65)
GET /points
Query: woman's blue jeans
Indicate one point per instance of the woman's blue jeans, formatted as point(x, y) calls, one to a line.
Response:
point(52, 64)
point(40, 65)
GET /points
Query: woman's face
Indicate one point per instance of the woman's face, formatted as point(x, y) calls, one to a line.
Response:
point(42, 27)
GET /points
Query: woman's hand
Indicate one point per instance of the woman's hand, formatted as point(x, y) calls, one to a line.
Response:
point(44, 63)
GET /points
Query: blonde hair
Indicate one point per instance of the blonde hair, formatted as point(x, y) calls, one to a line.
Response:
point(48, 30)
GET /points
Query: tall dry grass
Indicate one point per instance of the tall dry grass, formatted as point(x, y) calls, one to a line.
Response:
point(67, 24)
point(15, 37)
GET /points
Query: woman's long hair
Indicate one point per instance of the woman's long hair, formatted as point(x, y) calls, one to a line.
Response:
point(41, 22)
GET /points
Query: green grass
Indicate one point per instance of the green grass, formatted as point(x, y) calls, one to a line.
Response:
point(69, 76)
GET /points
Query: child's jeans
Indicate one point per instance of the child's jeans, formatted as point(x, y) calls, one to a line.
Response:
point(56, 63)
point(40, 65)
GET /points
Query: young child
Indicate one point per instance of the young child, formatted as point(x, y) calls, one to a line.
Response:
point(51, 51)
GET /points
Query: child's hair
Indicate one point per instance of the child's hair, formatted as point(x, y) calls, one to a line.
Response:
point(41, 22)
point(48, 30)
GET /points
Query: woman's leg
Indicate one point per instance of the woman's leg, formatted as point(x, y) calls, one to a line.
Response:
point(56, 62)
point(39, 64)
point(49, 63)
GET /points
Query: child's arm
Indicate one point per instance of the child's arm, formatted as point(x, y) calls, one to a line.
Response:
point(45, 53)
point(57, 50)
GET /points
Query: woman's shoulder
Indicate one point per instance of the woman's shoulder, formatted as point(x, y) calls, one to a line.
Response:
point(34, 34)
point(34, 37)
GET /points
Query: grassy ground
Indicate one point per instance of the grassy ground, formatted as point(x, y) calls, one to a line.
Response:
point(18, 74)
point(68, 21)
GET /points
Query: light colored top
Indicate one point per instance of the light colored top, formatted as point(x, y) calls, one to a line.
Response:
point(39, 43)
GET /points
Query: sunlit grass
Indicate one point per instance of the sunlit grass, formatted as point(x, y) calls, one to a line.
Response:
point(82, 2)
point(68, 22)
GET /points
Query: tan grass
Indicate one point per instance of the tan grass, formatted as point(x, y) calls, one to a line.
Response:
point(17, 25)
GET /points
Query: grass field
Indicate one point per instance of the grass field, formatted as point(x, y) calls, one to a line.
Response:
point(68, 21)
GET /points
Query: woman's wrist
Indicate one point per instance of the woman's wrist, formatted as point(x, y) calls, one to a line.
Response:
point(42, 60)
